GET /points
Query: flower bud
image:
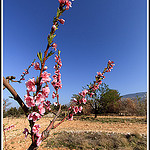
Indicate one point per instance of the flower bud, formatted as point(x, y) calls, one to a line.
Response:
point(62, 21)
point(53, 27)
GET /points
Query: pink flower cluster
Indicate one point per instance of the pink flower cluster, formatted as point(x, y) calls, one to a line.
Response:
point(9, 128)
point(30, 84)
point(110, 66)
point(37, 66)
point(35, 130)
point(26, 72)
point(66, 3)
point(77, 109)
point(34, 116)
point(37, 99)
point(45, 77)
point(99, 78)
point(57, 76)
point(90, 91)
point(23, 74)
point(54, 45)
point(82, 100)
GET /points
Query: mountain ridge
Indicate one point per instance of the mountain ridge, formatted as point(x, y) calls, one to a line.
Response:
point(135, 95)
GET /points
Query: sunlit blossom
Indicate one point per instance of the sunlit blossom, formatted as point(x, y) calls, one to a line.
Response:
point(34, 116)
point(35, 128)
point(30, 84)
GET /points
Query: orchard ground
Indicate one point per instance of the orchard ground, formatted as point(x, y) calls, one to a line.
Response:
point(84, 132)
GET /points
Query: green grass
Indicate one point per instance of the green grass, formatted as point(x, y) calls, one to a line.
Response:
point(97, 141)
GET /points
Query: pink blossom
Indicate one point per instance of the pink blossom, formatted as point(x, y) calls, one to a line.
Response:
point(59, 63)
point(80, 101)
point(41, 109)
point(53, 27)
point(35, 128)
point(45, 77)
point(29, 101)
point(75, 109)
point(38, 142)
point(70, 117)
point(110, 62)
point(100, 82)
point(62, 21)
point(39, 98)
point(26, 132)
point(46, 91)
point(57, 72)
point(30, 84)
point(69, 108)
point(74, 100)
point(45, 68)
point(9, 128)
point(99, 74)
point(83, 93)
point(62, 1)
point(91, 94)
point(56, 84)
point(110, 65)
point(47, 105)
point(53, 95)
point(26, 71)
point(55, 103)
point(34, 116)
point(37, 66)
point(56, 58)
point(80, 109)
point(68, 4)
point(65, 2)
point(84, 100)
point(54, 45)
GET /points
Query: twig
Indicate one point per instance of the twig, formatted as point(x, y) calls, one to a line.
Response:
point(45, 133)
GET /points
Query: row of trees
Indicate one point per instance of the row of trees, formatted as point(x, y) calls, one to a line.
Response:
point(18, 112)
point(104, 101)
point(108, 101)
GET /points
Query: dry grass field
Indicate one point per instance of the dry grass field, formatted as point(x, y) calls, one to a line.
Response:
point(80, 129)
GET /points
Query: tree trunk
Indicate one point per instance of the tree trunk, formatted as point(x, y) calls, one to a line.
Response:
point(33, 147)
point(96, 112)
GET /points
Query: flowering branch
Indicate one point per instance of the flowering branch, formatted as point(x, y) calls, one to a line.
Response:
point(38, 89)
point(82, 100)
point(26, 72)
point(40, 92)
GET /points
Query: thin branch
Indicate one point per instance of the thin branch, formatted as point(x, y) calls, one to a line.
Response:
point(45, 133)
point(60, 122)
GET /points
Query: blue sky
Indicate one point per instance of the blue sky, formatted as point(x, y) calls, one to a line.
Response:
point(94, 32)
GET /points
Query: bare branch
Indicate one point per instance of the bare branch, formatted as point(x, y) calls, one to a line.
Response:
point(45, 133)
point(16, 96)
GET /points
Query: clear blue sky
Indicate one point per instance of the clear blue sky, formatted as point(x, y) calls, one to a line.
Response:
point(94, 32)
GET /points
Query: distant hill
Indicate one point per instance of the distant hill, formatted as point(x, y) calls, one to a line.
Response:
point(134, 95)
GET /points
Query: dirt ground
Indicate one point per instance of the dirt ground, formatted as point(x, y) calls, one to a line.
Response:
point(16, 139)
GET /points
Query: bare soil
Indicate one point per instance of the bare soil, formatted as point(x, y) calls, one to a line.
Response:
point(16, 139)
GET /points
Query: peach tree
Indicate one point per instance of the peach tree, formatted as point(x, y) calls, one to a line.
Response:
point(36, 100)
